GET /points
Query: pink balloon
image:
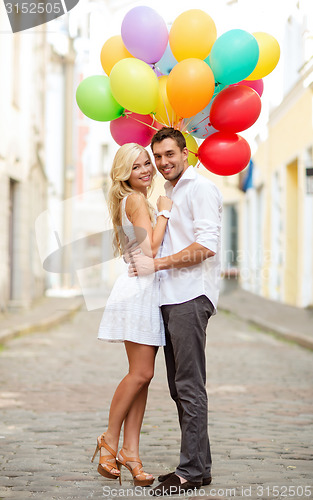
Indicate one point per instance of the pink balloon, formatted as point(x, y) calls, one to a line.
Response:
point(257, 85)
point(132, 128)
point(145, 34)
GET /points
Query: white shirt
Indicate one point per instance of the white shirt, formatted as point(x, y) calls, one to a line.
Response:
point(195, 217)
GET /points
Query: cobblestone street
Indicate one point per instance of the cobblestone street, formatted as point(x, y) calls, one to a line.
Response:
point(55, 395)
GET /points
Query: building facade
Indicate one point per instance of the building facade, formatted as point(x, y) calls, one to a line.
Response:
point(23, 182)
point(276, 213)
point(36, 153)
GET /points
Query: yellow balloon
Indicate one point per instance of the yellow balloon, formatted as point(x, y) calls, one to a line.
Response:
point(113, 51)
point(268, 57)
point(193, 147)
point(136, 85)
point(192, 34)
point(164, 112)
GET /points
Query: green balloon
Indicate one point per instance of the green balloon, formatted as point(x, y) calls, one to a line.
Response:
point(95, 99)
point(234, 56)
point(207, 60)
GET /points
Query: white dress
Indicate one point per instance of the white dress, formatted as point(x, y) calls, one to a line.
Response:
point(132, 311)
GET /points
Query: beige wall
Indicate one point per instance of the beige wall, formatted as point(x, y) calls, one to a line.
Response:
point(290, 134)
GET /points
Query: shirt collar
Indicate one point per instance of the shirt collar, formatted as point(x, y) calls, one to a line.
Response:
point(189, 174)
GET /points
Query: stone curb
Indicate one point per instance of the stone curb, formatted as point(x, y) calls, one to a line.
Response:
point(53, 319)
point(269, 327)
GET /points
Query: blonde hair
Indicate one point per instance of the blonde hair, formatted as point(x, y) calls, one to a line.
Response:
point(120, 173)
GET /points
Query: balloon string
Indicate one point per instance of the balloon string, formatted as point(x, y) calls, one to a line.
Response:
point(203, 119)
point(170, 122)
point(196, 125)
point(166, 110)
point(143, 123)
point(197, 156)
point(163, 123)
point(181, 124)
point(185, 125)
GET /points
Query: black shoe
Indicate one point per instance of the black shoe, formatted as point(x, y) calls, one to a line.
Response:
point(164, 477)
point(205, 482)
point(173, 486)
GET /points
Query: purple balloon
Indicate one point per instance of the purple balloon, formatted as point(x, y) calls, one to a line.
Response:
point(144, 34)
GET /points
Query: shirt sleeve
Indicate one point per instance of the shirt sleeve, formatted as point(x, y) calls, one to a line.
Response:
point(206, 208)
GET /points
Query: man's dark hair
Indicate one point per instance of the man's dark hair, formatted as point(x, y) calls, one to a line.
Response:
point(169, 133)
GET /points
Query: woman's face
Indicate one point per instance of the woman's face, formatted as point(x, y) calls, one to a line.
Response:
point(142, 173)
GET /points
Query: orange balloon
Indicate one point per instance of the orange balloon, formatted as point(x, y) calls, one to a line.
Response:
point(192, 34)
point(113, 51)
point(190, 87)
point(164, 112)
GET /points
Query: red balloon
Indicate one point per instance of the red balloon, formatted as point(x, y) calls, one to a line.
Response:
point(224, 153)
point(235, 109)
point(257, 85)
point(132, 128)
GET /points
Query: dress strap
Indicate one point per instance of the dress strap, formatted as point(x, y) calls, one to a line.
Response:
point(123, 211)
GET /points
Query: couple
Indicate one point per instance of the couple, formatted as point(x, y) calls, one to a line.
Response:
point(184, 281)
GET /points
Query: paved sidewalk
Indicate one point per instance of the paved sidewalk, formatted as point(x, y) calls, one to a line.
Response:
point(55, 399)
point(287, 322)
point(44, 314)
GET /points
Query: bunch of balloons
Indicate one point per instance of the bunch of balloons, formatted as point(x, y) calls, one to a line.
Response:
point(208, 87)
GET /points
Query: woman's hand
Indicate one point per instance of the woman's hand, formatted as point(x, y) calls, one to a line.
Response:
point(164, 203)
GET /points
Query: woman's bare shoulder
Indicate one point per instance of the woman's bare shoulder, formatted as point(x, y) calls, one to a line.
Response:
point(135, 202)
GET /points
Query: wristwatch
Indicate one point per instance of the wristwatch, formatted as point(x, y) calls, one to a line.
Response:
point(165, 213)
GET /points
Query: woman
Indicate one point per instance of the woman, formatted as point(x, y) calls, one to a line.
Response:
point(132, 313)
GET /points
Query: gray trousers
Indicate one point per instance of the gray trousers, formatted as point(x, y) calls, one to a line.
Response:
point(185, 330)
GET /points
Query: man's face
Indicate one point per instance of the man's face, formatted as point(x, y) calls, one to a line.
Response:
point(170, 161)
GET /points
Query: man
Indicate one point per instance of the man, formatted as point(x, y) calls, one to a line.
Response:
point(189, 272)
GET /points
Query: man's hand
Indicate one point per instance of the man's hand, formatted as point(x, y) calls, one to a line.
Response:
point(131, 248)
point(141, 265)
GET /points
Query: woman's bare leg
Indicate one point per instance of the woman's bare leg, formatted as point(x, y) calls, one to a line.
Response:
point(141, 368)
point(132, 427)
point(133, 423)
